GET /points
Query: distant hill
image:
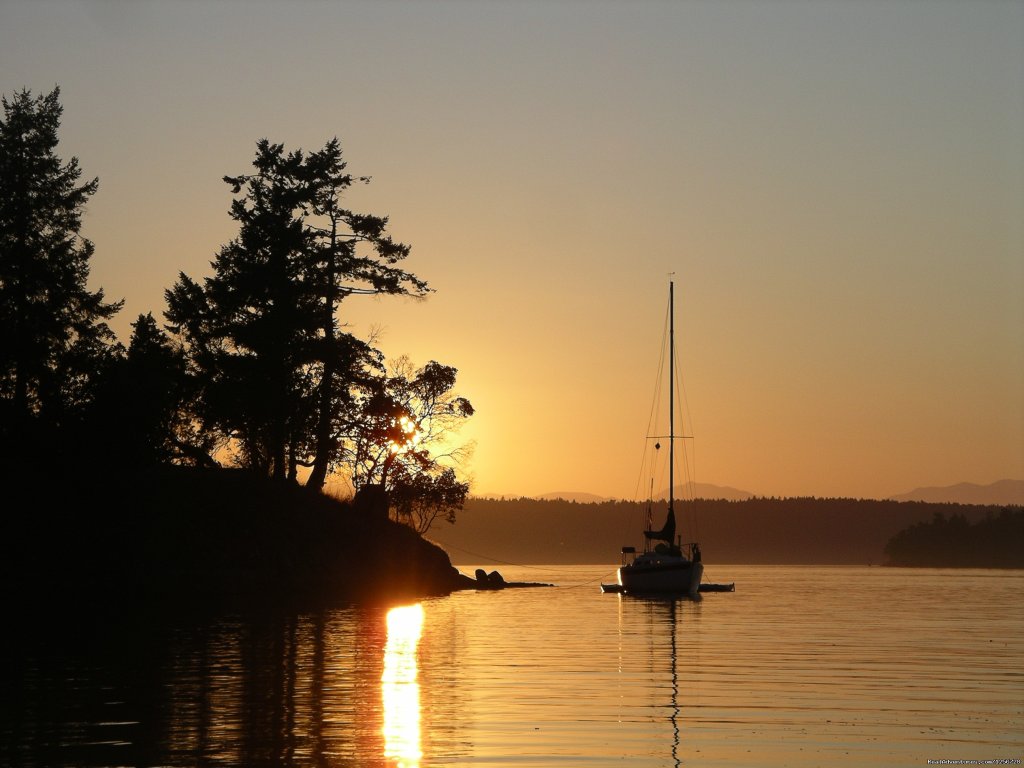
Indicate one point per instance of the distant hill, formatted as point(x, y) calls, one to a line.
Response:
point(1009, 492)
point(708, 491)
point(684, 491)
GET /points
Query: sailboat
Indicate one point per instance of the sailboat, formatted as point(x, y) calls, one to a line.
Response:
point(666, 565)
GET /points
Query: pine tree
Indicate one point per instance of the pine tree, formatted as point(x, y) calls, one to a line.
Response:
point(249, 326)
point(279, 377)
point(55, 341)
point(352, 253)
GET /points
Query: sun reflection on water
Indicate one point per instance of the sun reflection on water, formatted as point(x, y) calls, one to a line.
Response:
point(399, 689)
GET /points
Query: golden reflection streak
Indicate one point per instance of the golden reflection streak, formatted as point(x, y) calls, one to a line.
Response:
point(399, 690)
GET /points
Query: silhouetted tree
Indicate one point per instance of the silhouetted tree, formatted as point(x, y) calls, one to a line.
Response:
point(55, 342)
point(280, 381)
point(410, 413)
point(351, 253)
point(419, 499)
point(141, 410)
point(249, 326)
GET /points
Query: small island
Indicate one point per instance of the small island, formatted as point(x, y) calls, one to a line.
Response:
point(955, 542)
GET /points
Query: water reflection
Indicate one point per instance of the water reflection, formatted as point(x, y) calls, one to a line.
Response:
point(666, 625)
point(400, 691)
point(771, 675)
point(674, 711)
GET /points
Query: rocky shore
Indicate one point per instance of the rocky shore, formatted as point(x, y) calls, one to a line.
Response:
point(178, 537)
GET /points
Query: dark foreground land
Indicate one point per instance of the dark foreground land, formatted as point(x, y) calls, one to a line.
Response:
point(223, 537)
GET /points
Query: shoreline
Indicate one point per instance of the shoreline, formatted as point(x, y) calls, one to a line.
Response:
point(174, 536)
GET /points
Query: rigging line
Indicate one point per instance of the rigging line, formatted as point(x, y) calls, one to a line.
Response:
point(589, 582)
point(648, 462)
point(655, 401)
point(687, 415)
point(689, 460)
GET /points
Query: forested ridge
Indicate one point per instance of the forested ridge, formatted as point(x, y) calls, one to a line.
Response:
point(812, 531)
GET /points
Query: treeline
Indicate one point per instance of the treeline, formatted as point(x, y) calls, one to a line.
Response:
point(252, 367)
point(994, 541)
point(793, 531)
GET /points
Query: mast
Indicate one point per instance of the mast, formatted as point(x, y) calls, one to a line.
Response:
point(668, 531)
point(671, 395)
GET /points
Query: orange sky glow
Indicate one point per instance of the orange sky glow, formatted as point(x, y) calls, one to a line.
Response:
point(837, 186)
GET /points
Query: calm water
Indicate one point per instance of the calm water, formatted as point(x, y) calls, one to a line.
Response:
point(800, 666)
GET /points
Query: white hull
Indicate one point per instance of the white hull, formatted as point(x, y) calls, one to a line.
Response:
point(664, 574)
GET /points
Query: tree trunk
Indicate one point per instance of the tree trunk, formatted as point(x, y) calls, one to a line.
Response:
point(324, 443)
point(324, 440)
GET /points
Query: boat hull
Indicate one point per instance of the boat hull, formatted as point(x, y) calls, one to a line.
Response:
point(679, 577)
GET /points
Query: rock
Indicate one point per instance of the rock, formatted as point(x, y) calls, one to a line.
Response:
point(492, 580)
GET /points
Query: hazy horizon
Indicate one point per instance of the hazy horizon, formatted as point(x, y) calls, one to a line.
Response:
point(838, 188)
point(948, 492)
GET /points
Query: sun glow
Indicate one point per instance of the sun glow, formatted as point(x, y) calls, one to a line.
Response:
point(399, 689)
point(410, 435)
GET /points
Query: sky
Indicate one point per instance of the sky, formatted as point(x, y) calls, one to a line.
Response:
point(837, 186)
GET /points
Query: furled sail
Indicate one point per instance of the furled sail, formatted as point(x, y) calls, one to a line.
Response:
point(667, 532)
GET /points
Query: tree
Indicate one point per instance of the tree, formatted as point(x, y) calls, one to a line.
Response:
point(351, 253)
point(140, 411)
point(280, 380)
point(56, 341)
point(249, 325)
point(421, 498)
point(410, 413)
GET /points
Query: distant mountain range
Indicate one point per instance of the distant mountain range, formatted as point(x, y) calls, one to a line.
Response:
point(693, 490)
point(1001, 492)
point(1009, 492)
point(686, 491)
